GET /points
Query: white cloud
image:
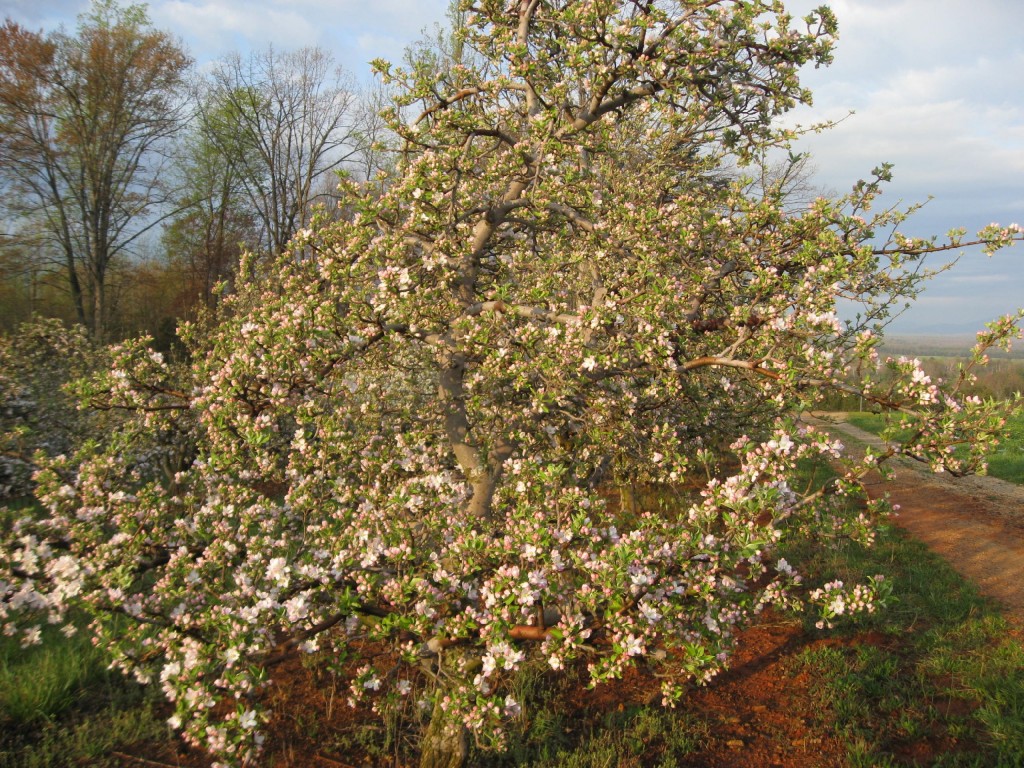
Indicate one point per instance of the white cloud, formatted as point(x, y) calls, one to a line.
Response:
point(356, 31)
point(218, 26)
point(948, 119)
point(376, 44)
point(937, 91)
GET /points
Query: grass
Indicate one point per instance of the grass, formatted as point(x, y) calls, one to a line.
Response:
point(633, 735)
point(89, 739)
point(1006, 462)
point(42, 682)
point(940, 669)
point(60, 705)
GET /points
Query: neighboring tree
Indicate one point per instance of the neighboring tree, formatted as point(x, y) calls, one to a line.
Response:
point(216, 222)
point(84, 122)
point(37, 414)
point(403, 445)
point(32, 283)
point(284, 122)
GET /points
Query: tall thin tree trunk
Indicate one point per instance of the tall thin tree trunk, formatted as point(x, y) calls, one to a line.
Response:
point(75, 285)
point(99, 304)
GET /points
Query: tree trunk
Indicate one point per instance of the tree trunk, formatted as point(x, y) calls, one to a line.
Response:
point(445, 744)
point(99, 311)
point(76, 287)
point(627, 498)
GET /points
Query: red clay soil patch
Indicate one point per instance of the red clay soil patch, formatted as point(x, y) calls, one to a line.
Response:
point(761, 713)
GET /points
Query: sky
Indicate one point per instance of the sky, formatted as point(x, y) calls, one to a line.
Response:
point(936, 88)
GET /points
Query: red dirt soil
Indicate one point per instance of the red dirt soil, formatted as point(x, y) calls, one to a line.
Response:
point(761, 712)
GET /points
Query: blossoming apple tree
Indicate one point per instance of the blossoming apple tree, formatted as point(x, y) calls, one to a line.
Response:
point(37, 415)
point(407, 436)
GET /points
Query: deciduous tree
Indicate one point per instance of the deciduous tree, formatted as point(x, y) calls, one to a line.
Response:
point(285, 121)
point(84, 120)
point(216, 222)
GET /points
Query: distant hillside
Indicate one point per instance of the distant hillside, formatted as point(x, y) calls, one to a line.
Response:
point(939, 345)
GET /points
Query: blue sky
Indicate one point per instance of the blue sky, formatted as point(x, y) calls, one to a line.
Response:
point(937, 88)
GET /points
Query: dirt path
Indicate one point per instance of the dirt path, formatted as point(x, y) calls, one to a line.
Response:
point(975, 523)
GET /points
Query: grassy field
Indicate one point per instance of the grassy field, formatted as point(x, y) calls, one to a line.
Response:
point(954, 346)
point(1006, 463)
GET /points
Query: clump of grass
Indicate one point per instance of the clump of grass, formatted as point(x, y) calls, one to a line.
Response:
point(636, 735)
point(553, 732)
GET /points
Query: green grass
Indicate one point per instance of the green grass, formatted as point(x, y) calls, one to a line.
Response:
point(42, 682)
point(1006, 462)
point(60, 705)
point(632, 735)
point(869, 422)
point(940, 666)
point(87, 739)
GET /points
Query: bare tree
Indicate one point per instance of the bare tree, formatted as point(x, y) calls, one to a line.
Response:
point(287, 120)
point(84, 120)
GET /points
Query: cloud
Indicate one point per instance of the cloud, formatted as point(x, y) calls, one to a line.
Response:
point(39, 9)
point(356, 31)
point(44, 14)
point(936, 91)
point(218, 25)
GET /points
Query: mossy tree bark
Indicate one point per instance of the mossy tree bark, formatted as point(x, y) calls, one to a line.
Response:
point(445, 744)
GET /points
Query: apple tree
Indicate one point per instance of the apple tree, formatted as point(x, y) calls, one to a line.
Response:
point(405, 440)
